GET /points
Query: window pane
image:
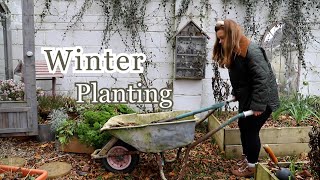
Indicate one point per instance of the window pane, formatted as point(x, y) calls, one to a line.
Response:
point(280, 46)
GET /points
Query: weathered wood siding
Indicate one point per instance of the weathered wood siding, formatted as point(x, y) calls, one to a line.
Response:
point(14, 119)
point(20, 118)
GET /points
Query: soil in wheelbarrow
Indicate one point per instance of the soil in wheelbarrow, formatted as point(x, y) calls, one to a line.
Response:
point(206, 161)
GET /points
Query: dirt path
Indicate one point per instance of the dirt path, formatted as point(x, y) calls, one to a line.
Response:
point(206, 161)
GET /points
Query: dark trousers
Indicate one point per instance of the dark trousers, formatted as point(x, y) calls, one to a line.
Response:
point(249, 130)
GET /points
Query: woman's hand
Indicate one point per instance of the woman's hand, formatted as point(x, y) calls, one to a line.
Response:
point(257, 113)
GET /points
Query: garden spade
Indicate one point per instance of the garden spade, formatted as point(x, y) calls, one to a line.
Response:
point(282, 173)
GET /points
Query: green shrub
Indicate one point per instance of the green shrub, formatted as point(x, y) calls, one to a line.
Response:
point(66, 130)
point(93, 119)
point(47, 103)
point(297, 106)
point(57, 118)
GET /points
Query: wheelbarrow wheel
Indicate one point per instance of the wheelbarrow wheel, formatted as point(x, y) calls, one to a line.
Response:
point(122, 163)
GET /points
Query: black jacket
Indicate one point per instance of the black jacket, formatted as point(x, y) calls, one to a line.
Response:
point(253, 82)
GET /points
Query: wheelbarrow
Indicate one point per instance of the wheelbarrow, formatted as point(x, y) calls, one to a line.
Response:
point(154, 133)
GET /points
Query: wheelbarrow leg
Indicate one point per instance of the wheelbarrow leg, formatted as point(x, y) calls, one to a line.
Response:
point(160, 164)
point(173, 159)
point(184, 163)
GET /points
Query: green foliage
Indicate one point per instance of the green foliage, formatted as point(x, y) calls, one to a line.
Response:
point(298, 106)
point(282, 109)
point(66, 130)
point(295, 167)
point(314, 102)
point(57, 118)
point(93, 119)
point(47, 103)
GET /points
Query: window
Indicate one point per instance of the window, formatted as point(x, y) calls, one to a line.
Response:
point(279, 43)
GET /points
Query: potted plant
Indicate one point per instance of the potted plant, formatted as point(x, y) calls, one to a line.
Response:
point(13, 172)
point(50, 110)
point(67, 139)
point(83, 135)
point(286, 132)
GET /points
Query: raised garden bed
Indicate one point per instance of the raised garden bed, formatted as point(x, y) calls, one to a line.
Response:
point(266, 171)
point(285, 141)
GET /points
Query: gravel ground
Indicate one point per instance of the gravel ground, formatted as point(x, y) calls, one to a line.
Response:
point(205, 162)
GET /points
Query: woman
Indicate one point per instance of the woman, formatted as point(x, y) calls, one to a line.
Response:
point(253, 85)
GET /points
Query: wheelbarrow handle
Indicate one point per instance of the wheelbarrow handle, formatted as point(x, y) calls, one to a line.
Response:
point(208, 135)
point(212, 107)
point(229, 121)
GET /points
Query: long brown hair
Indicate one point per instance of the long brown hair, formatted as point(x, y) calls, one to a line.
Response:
point(223, 54)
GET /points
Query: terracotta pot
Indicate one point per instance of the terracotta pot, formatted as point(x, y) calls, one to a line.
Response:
point(42, 173)
point(75, 146)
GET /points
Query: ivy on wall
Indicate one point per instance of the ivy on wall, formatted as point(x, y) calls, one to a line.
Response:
point(45, 12)
point(127, 19)
point(300, 14)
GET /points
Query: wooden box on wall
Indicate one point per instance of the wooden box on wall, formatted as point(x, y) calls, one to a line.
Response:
point(190, 56)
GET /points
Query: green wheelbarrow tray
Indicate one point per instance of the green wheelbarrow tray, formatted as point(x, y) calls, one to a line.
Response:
point(138, 130)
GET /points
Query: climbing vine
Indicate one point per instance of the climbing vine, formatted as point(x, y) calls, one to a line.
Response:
point(220, 87)
point(127, 19)
point(298, 13)
point(45, 12)
point(77, 17)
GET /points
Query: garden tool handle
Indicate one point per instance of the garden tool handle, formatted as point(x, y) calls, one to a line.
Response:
point(271, 154)
point(248, 113)
point(212, 107)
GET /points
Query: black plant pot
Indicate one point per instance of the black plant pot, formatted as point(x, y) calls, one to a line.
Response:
point(45, 133)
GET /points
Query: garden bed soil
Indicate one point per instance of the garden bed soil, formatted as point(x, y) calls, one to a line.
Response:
point(205, 162)
point(283, 140)
point(283, 121)
point(267, 171)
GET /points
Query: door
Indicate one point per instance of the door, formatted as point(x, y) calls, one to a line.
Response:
point(18, 116)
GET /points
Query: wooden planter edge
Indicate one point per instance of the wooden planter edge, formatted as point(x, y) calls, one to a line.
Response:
point(284, 140)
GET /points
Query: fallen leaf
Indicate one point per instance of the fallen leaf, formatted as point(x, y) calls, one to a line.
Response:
point(172, 173)
point(44, 145)
point(85, 168)
point(81, 173)
point(108, 175)
point(305, 173)
point(37, 156)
